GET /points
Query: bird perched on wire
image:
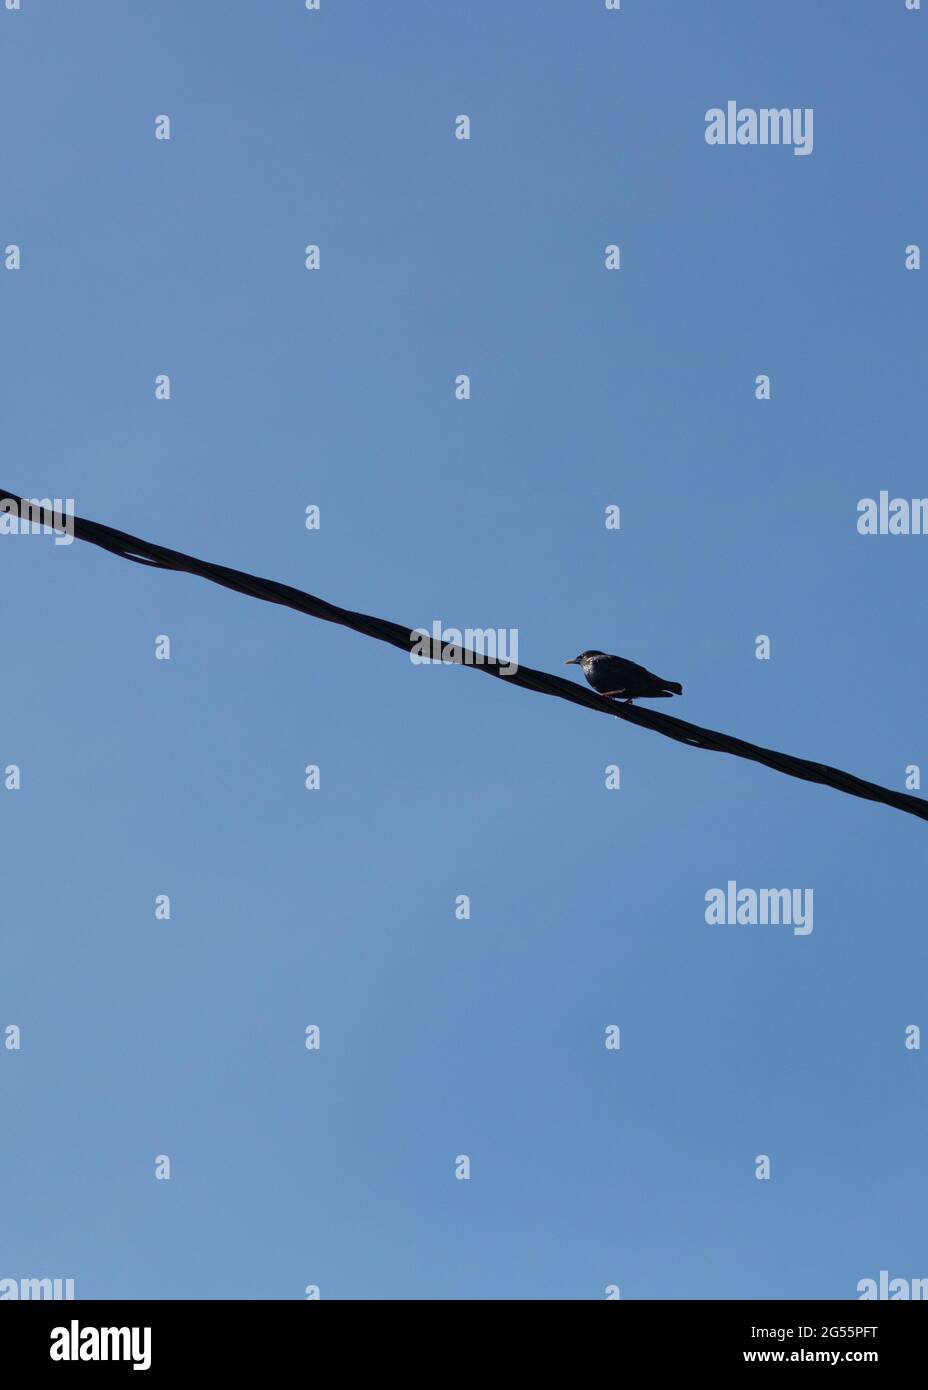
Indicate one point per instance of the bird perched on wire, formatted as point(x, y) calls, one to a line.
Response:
point(613, 676)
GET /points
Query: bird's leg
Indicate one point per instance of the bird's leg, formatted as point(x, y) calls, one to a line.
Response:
point(612, 694)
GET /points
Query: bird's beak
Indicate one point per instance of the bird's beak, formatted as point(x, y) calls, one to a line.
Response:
point(571, 662)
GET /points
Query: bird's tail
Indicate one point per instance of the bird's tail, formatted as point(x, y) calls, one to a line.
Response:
point(674, 687)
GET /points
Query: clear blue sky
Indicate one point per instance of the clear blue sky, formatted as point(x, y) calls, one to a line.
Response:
point(336, 907)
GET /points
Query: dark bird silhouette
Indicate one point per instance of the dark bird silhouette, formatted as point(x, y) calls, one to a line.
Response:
point(614, 676)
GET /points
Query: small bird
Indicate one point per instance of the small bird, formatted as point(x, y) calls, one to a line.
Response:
point(614, 676)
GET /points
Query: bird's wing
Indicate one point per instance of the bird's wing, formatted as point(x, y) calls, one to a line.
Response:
point(615, 673)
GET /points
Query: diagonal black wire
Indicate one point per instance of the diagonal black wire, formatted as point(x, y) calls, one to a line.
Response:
point(159, 557)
